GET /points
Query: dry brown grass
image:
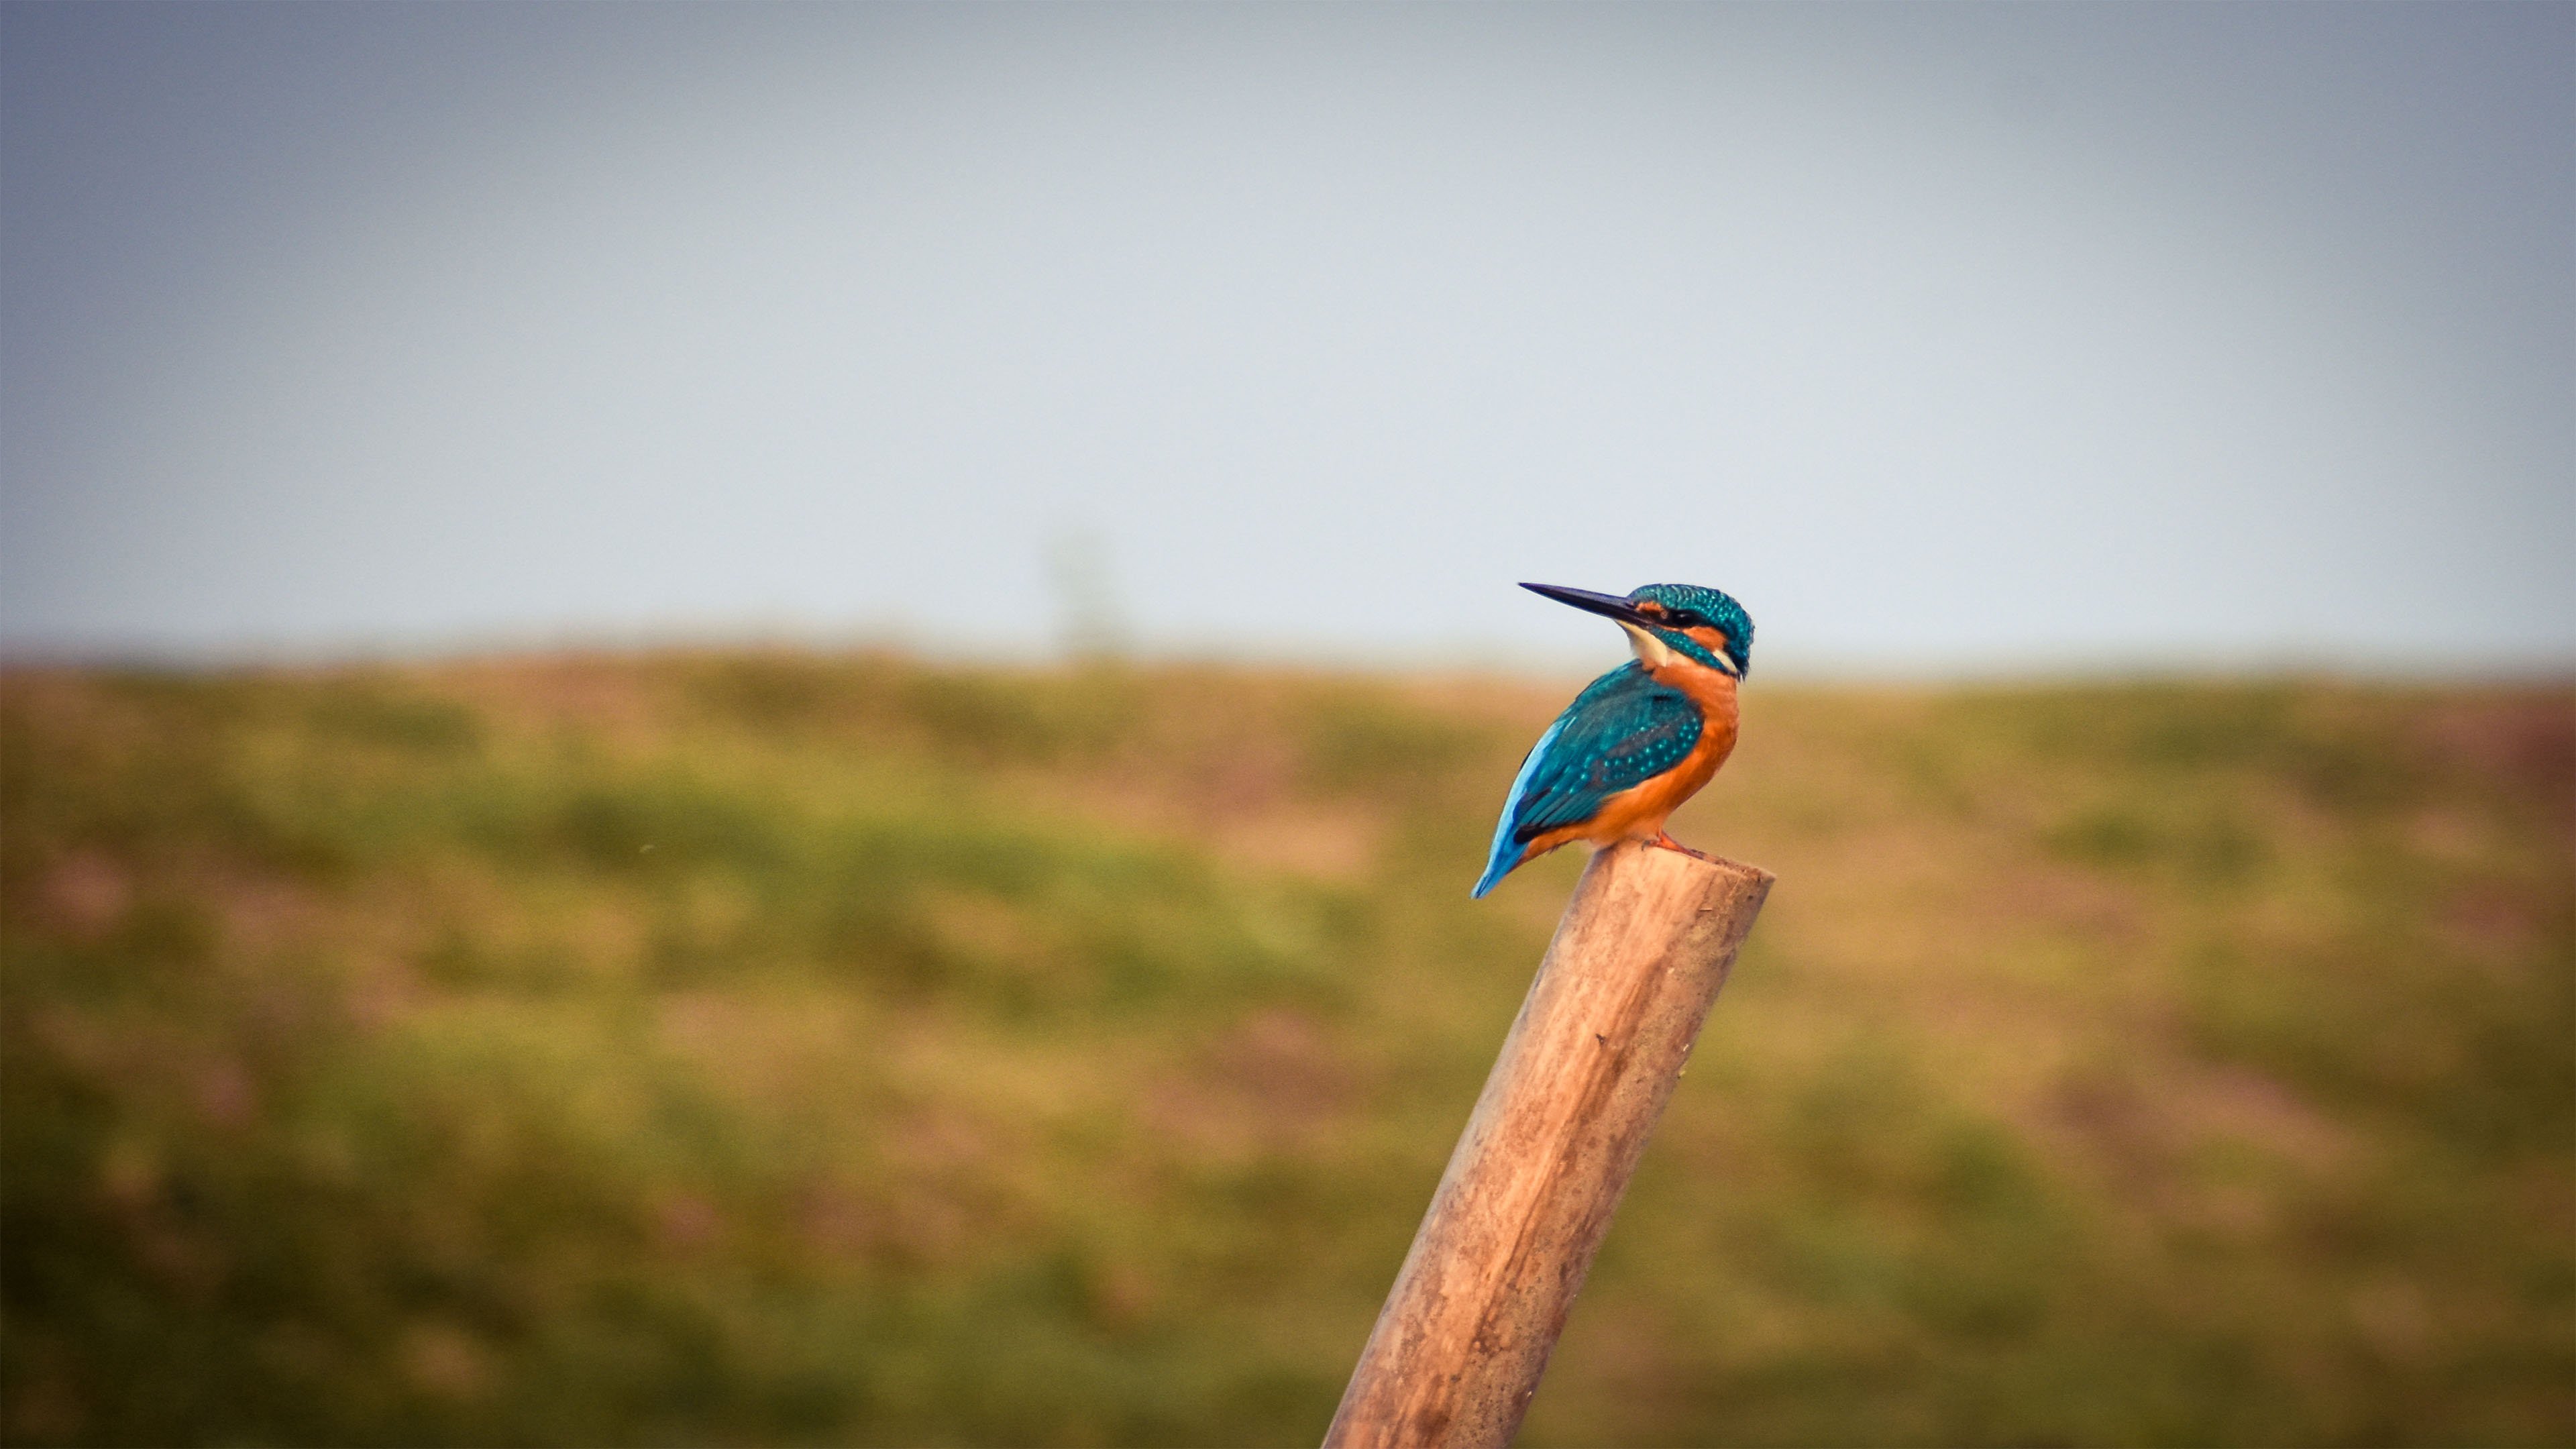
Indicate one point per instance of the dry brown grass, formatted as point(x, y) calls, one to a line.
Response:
point(764, 1047)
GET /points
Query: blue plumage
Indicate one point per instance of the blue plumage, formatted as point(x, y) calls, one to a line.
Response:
point(1621, 731)
point(1639, 740)
point(1714, 607)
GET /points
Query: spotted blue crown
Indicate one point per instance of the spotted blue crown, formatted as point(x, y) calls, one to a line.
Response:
point(1688, 605)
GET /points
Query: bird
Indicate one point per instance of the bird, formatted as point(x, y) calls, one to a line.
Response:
point(1639, 740)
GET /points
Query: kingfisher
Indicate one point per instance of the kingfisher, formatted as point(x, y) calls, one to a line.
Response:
point(1639, 740)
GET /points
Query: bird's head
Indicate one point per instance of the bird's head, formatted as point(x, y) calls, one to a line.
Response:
point(1704, 625)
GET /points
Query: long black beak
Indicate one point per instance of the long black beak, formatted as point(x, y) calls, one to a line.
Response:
point(1608, 604)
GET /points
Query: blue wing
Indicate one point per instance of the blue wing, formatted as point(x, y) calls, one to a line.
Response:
point(1622, 730)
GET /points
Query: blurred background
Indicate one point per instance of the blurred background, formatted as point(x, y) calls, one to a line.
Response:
point(767, 724)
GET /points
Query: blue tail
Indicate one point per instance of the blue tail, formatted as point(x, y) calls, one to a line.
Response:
point(1509, 853)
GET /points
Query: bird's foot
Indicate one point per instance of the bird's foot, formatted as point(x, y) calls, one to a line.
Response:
point(1665, 839)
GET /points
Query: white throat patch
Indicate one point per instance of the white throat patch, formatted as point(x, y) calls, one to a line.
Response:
point(1654, 653)
point(1651, 652)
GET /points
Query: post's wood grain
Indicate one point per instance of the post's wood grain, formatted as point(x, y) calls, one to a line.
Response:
point(1585, 1072)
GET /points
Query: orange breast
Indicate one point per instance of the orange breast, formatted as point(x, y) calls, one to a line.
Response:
point(1639, 813)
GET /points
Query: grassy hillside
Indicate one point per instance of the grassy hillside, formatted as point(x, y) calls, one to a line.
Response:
point(781, 1049)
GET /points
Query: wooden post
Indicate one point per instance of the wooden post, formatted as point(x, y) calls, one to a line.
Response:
point(1607, 1027)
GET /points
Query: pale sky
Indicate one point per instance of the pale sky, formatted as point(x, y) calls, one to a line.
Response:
point(1946, 337)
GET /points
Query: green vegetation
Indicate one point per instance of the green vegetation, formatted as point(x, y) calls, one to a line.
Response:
point(778, 1049)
